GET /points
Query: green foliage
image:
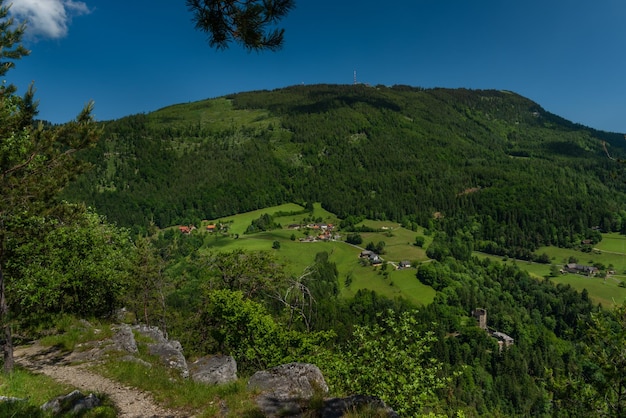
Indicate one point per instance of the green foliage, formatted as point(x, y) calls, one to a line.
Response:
point(264, 223)
point(554, 270)
point(246, 22)
point(79, 265)
point(366, 152)
point(354, 239)
point(254, 273)
point(244, 329)
point(36, 162)
point(606, 343)
point(391, 360)
point(147, 291)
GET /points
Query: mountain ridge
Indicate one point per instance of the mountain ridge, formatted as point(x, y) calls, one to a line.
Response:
point(401, 153)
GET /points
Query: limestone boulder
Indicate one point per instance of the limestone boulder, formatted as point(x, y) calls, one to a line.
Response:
point(214, 370)
point(287, 389)
point(170, 352)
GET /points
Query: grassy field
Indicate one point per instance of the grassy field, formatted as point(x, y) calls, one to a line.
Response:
point(298, 255)
point(214, 114)
point(607, 292)
point(609, 252)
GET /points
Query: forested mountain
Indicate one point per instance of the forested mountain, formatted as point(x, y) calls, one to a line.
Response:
point(485, 170)
point(493, 159)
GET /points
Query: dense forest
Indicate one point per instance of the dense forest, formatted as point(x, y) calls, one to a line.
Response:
point(522, 175)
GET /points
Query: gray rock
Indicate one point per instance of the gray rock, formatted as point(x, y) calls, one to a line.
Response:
point(124, 339)
point(154, 333)
point(214, 370)
point(73, 403)
point(11, 399)
point(85, 404)
point(286, 389)
point(170, 352)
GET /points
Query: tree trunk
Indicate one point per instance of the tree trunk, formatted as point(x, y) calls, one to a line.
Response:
point(7, 343)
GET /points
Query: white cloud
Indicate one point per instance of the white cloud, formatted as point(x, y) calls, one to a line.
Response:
point(47, 18)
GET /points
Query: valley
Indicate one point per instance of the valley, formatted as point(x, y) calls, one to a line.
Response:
point(359, 228)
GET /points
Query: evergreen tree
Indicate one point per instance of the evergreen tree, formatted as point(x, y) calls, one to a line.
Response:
point(35, 162)
point(246, 22)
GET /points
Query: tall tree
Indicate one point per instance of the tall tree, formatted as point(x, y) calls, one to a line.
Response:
point(247, 22)
point(607, 349)
point(35, 162)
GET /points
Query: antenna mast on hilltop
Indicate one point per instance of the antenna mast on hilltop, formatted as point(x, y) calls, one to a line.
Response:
point(354, 77)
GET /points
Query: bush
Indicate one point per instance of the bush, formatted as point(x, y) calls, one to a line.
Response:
point(354, 239)
point(391, 361)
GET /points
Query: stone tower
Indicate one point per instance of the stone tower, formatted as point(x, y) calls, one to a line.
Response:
point(481, 315)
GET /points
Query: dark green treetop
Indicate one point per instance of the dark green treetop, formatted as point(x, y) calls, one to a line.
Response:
point(247, 22)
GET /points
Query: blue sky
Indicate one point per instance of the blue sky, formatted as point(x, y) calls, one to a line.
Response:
point(138, 56)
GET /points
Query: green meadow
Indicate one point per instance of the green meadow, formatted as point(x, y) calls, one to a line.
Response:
point(213, 114)
point(298, 255)
point(608, 252)
point(611, 251)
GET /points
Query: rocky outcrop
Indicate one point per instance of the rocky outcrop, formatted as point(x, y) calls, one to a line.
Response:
point(124, 339)
point(287, 389)
point(170, 352)
point(214, 370)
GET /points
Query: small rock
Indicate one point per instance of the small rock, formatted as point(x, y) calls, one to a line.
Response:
point(74, 402)
point(10, 399)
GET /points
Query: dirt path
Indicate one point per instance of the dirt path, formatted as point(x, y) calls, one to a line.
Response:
point(131, 403)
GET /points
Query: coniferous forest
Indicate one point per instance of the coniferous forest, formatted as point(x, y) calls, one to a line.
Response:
point(525, 176)
point(479, 170)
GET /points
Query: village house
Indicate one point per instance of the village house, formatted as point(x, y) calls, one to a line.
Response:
point(580, 269)
point(184, 229)
point(504, 340)
point(372, 257)
point(404, 264)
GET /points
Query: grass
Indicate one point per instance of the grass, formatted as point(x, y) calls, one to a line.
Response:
point(71, 332)
point(607, 292)
point(172, 391)
point(613, 242)
point(297, 255)
point(399, 246)
point(609, 252)
point(36, 390)
point(214, 114)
